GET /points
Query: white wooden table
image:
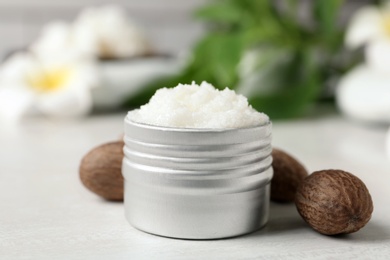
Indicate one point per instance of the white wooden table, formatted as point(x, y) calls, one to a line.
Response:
point(46, 213)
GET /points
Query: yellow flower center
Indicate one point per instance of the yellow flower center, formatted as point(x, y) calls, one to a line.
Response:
point(386, 23)
point(49, 80)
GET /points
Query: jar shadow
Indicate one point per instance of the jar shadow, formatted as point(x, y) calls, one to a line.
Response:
point(283, 218)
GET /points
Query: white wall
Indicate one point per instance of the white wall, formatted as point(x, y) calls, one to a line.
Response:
point(167, 23)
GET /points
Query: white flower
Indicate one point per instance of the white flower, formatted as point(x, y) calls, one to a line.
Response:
point(13, 104)
point(370, 26)
point(109, 33)
point(378, 55)
point(387, 143)
point(54, 87)
point(97, 32)
point(364, 94)
point(56, 40)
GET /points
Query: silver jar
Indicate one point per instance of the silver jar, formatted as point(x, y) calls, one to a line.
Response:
point(197, 183)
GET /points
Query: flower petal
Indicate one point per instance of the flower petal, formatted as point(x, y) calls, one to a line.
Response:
point(15, 68)
point(107, 32)
point(378, 55)
point(14, 102)
point(85, 75)
point(54, 39)
point(387, 143)
point(68, 103)
point(364, 94)
point(364, 26)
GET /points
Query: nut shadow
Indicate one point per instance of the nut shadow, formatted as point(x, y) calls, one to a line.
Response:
point(284, 218)
point(372, 232)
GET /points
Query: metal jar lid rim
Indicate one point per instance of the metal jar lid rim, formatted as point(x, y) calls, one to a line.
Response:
point(194, 136)
point(190, 129)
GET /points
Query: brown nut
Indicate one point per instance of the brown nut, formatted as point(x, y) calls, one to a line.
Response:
point(334, 202)
point(101, 170)
point(288, 174)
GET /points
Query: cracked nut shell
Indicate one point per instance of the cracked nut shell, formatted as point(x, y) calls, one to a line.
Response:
point(288, 174)
point(101, 170)
point(334, 202)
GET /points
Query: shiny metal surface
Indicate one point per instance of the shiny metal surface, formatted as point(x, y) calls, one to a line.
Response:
point(189, 136)
point(195, 183)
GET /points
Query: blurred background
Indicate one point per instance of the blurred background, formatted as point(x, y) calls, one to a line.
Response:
point(73, 58)
point(168, 23)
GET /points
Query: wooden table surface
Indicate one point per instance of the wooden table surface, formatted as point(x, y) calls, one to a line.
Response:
point(46, 213)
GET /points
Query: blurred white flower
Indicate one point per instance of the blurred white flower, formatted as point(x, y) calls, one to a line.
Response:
point(364, 94)
point(387, 143)
point(370, 26)
point(97, 32)
point(14, 102)
point(109, 33)
point(378, 55)
point(368, 23)
point(54, 87)
point(56, 40)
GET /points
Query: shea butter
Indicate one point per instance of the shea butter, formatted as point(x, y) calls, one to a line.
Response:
point(198, 106)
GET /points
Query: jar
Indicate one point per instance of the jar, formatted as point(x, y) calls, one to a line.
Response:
point(197, 183)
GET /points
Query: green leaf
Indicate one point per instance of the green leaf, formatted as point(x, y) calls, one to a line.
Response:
point(219, 12)
point(215, 60)
point(326, 13)
point(296, 88)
